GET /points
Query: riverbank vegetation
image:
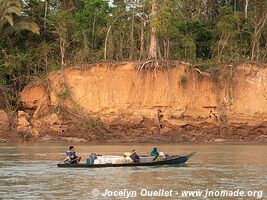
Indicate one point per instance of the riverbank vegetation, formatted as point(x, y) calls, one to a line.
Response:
point(39, 36)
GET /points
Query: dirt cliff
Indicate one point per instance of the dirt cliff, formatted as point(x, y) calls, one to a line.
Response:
point(119, 102)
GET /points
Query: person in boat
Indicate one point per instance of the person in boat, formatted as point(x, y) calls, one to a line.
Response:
point(155, 153)
point(135, 157)
point(72, 158)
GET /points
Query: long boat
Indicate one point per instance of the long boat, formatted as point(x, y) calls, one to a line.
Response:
point(170, 160)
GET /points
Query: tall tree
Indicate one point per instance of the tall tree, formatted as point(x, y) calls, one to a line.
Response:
point(259, 20)
point(61, 25)
point(246, 8)
point(153, 46)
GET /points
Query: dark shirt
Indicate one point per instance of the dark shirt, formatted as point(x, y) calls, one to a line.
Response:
point(135, 157)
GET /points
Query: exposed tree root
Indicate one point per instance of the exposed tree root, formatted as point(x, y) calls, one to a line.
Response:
point(145, 65)
point(155, 65)
point(202, 73)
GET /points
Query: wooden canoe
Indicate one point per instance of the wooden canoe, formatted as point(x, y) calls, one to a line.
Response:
point(171, 160)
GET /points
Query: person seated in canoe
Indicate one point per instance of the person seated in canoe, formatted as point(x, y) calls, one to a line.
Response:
point(155, 153)
point(72, 158)
point(135, 157)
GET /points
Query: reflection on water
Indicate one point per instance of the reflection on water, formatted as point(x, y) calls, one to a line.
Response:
point(30, 171)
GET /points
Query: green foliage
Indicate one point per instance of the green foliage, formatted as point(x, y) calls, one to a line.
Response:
point(183, 81)
point(37, 37)
point(65, 93)
point(96, 124)
point(90, 24)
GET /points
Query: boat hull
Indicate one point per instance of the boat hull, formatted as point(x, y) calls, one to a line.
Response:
point(174, 160)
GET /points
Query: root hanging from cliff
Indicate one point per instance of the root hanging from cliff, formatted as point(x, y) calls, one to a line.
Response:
point(155, 64)
point(149, 64)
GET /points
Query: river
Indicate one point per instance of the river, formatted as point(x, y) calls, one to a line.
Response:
point(29, 171)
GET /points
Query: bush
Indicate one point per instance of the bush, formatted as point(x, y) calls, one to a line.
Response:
point(183, 80)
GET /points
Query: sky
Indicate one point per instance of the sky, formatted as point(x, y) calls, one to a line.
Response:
point(110, 2)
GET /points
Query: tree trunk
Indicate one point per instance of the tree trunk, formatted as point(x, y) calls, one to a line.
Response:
point(166, 45)
point(165, 49)
point(46, 63)
point(93, 32)
point(158, 51)
point(153, 50)
point(45, 18)
point(132, 38)
point(257, 36)
point(85, 43)
point(224, 42)
point(45, 22)
point(121, 47)
point(62, 45)
point(235, 5)
point(168, 49)
point(106, 43)
point(106, 40)
point(142, 39)
point(246, 9)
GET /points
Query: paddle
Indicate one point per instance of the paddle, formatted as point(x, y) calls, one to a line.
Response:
point(67, 160)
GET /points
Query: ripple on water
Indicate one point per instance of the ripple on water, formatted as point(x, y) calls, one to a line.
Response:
point(31, 173)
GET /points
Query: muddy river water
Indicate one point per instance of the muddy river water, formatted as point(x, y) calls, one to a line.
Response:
point(29, 171)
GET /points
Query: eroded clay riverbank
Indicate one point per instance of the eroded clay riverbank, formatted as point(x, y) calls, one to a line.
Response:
point(111, 103)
